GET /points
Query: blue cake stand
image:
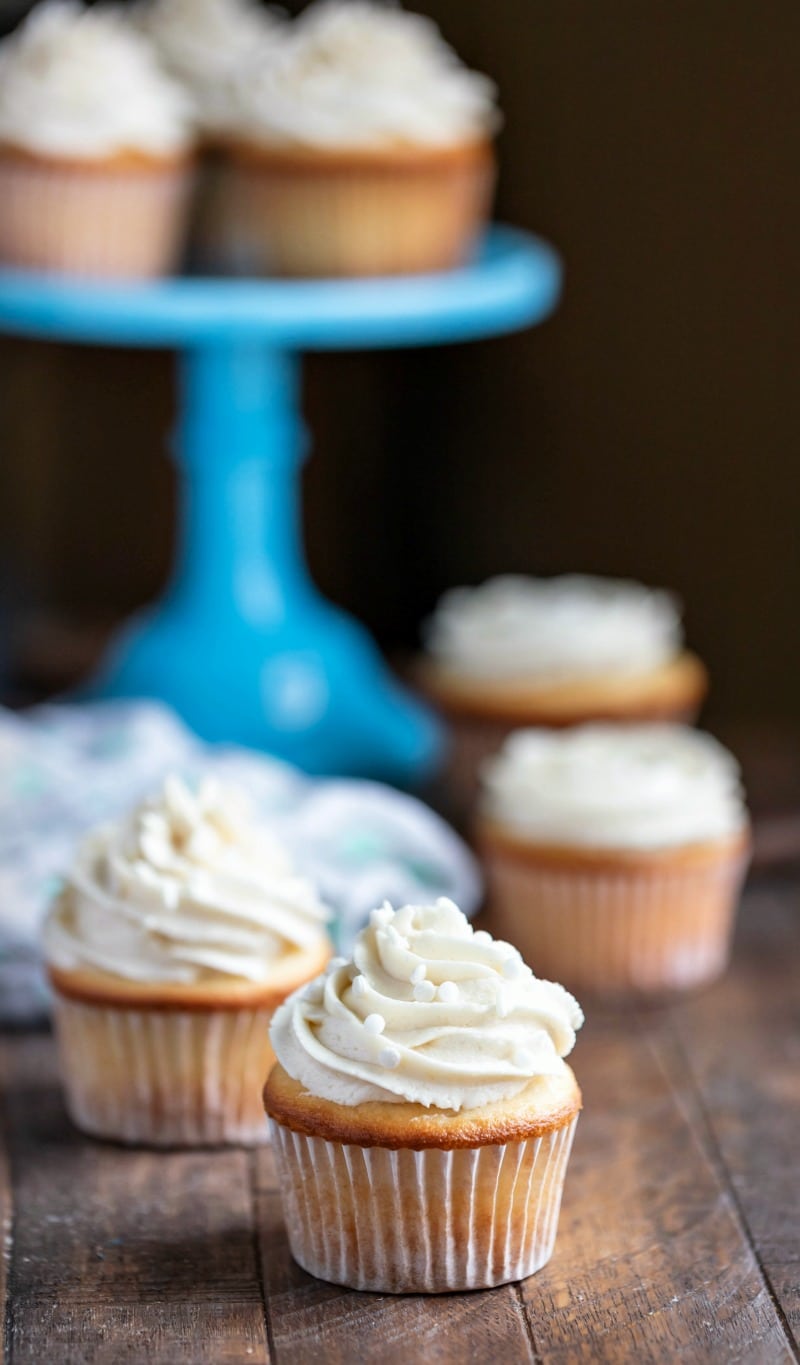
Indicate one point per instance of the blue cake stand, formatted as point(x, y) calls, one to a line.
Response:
point(242, 645)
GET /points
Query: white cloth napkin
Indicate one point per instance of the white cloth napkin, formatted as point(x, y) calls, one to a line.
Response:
point(64, 768)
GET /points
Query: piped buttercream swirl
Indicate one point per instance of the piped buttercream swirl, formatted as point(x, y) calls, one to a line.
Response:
point(77, 82)
point(354, 74)
point(622, 787)
point(552, 629)
point(189, 888)
point(427, 1011)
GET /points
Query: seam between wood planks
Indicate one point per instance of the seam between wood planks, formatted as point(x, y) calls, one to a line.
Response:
point(536, 1359)
point(701, 1124)
point(6, 1215)
point(252, 1184)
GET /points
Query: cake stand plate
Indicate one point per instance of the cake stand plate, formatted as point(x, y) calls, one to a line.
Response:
point(241, 644)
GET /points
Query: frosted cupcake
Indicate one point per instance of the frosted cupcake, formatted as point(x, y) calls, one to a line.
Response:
point(615, 856)
point(363, 148)
point(94, 148)
point(553, 652)
point(421, 1103)
point(177, 933)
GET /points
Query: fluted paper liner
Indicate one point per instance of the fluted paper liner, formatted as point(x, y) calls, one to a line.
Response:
point(91, 221)
point(165, 1077)
point(319, 216)
point(403, 1221)
point(636, 929)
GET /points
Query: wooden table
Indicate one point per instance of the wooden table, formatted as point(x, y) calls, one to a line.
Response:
point(679, 1236)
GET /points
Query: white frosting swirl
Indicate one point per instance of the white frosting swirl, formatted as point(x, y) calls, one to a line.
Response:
point(354, 74)
point(620, 787)
point(551, 629)
point(205, 44)
point(185, 890)
point(427, 1011)
point(80, 82)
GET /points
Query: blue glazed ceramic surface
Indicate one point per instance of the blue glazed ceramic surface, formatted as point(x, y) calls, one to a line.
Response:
point(242, 645)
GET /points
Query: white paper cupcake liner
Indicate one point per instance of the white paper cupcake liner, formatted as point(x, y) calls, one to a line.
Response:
point(421, 1221)
point(92, 223)
point(165, 1077)
point(605, 932)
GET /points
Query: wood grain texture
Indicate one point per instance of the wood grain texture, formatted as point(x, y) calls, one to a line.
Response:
point(678, 1237)
point(121, 1255)
point(742, 1044)
point(651, 1263)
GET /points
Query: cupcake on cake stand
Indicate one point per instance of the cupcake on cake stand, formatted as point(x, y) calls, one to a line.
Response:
point(242, 644)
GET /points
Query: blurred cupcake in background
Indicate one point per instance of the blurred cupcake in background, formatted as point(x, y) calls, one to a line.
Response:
point(519, 651)
point(363, 148)
point(95, 148)
point(615, 856)
point(176, 935)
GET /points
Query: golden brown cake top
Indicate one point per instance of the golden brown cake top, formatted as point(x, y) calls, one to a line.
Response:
point(543, 1105)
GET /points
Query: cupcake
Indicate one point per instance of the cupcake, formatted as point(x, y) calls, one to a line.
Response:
point(175, 936)
point(615, 856)
point(94, 148)
point(553, 652)
point(362, 148)
point(421, 1111)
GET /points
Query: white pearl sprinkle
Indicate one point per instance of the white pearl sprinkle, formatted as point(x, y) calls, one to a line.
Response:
point(359, 985)
point(481, 936)
point(375, 1023)
point(448, 992)
point(424, 991)
point(511, 968)
point(523, 1059)
point(419, 973)
point(389, 1057)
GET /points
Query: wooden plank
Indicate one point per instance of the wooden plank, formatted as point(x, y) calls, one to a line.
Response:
point(678, 1236)
point(314, 1322)
point(651, 1263)
point(123, 1255)
point(6, 1206)
point(741, 1042)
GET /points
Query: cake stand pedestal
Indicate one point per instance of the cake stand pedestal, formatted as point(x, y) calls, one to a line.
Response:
point(241, 644)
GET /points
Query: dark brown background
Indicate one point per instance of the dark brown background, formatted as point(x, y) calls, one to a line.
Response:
point(650, 429)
